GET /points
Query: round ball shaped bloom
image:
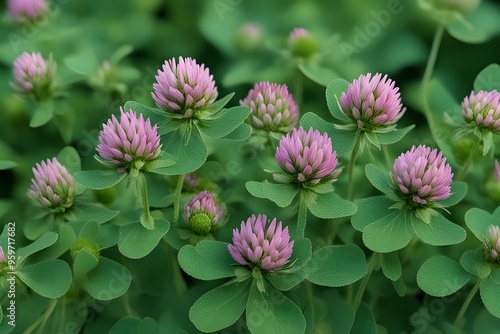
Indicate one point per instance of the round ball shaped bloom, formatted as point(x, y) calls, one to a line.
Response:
point(372, 102)
point(482, 110)
point(492, 244)
point(261, 245)
point(30, 9)
point(302, 43)
point(307, 158)
point(129, 143)
point(34, 74)
point(248, 39)
point(273, 107)
point(203, 214)
point(53, 186)
point(421, 176)
point(184, 87)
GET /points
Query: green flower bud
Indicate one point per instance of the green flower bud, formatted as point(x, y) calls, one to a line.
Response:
point(84, 243)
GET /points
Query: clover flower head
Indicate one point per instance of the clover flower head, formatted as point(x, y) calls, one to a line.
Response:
point(29, 9)
point(129, 143)
point(421, 176)
point(273, 107)
point(482, 110)
point(2, 255)
point(307, 158)
point(372, 102)
point(191, 180)
point(184, 87)
point(34, 75)
point(492, 244)
point(53, 186)
point(302, 43)
point(203, 213)
point(261, 245)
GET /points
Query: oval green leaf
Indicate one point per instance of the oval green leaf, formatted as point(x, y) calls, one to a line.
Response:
point(208, 260)
point(330, 206)
point(440, 232)
point(135, 241)
point(272, 312)
point(324, 266)
point(220, 307)
point(279, 193)
point(440, 276)
point(99, 179)
point(50, 279)
point(490, 290)
point(389, 233)
point(108, 280)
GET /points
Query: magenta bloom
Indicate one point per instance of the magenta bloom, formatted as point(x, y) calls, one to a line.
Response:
point(34, 74)
point(184, 88)
point(2, 255)
point(482, 110)
point(203, 214)
point(273, 108)
point(492, 244)
point(30, 9)
point(129, 143)
point(422, 176)
point(191, 180)
point(53, 186)
point(261, 246)
point(372, 102)
point(307, 158)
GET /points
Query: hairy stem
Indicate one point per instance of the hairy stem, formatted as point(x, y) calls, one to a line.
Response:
point(466, 303)
point(350, 169)
point(431, 61)
point(146, 220)
point(177, 198)
point(301, 217)
point(361, 290)
point(43, 319)
point(470, 158)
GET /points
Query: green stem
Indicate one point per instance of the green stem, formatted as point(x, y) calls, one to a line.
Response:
point(429, 68)
point(466, 303)
point(299, 87)
point(177, 198)
point(350, 170)
point(179, 282)
point(387, 155)
point(361, 290)
point(470, 158)
point(146, 220)
point(43, 319)
point(302, 217)
point(126, 305)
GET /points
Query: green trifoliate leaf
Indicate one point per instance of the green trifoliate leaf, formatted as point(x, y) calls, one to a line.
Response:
point(333, 93)
point(330, 205)
point(490, 290)
point(242, 132)
point(225, 121)
point(99, 179)
point(458, 192)
point(370, 210)
point(99, 213)
point(336, 266)
point(321, 75)
point(43, 114)
point(208, 260)
point(364, 322)
point(393, 136)
point(50, 279)
point(44, 241)
point(6, 164)
point(221, 103)
point(83, 263)
point(440, 276)
point(133, 325)
point(84, 62)
point(135, 241)
point(272, 312)
point(391, 266)
point(97, 282)
point(286, 279)
point(488, 79)
point(440, 231)
point(474, 263)
point(69, 158)
point(389, 233)
point(477, 27)
point(220, 307)
point(281, 194)
point(380, 179)
point(478, 221)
